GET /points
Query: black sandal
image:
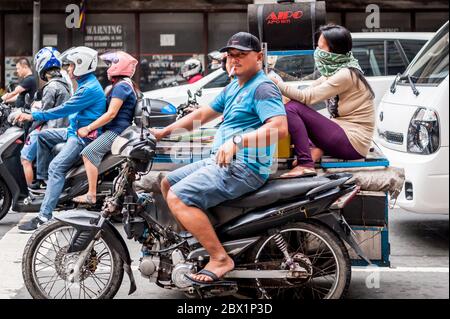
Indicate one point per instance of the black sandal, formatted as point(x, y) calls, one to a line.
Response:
point(216, 281)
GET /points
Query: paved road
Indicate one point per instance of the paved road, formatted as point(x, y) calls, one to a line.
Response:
point(419, 258)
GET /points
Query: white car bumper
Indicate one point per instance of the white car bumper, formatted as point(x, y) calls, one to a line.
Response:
point(426, 178)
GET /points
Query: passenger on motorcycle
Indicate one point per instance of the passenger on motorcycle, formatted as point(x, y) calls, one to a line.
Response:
point(122, 99)
point(55, 92)
point(349, 98)
point(254, 120)
point(84, 107)
point(192, 70)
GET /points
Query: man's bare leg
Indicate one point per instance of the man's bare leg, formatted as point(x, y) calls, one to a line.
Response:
point(165, 186)
point(198, 224)
point(28, 170)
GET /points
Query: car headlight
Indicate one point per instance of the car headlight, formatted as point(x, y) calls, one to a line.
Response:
point(423, 132)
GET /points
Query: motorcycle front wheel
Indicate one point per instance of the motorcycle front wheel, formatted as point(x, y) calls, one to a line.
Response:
point(310, 246)
point(46, 266)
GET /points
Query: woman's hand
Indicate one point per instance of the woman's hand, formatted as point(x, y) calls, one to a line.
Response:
point(274, 77)
point(83, 132)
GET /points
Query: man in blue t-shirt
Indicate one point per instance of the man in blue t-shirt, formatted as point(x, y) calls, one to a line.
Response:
point(86, 105)
point(254, 120)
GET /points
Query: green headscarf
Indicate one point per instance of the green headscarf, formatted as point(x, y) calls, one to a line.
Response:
point(329, 63)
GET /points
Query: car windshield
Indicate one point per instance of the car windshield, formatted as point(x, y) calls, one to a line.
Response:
point(431, 66)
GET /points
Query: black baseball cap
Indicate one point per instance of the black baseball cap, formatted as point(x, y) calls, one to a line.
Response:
point(243, 41)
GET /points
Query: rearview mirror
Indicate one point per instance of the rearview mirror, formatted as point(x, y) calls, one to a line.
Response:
point(146, 117)
point(189, 93)
point(146, 111)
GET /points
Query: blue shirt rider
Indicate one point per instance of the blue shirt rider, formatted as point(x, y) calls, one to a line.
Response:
point(86, 105)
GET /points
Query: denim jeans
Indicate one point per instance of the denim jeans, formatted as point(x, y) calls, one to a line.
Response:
point(58, 167)
point(29, 151)
point(204, 184)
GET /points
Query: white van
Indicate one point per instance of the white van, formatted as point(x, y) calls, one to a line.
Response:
point(413, 127)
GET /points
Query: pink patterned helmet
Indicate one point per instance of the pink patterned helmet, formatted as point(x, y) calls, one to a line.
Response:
point(119, 64)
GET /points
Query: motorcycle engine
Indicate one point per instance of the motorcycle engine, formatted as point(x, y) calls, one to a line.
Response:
point(178, 273)
point(149, 266)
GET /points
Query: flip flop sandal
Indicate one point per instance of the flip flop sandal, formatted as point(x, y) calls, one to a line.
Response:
point(88, 200)
point(216, 281)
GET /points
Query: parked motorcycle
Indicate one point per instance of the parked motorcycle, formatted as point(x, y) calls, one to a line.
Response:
point(286, 239)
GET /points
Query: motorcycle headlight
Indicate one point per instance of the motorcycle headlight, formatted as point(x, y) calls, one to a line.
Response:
point(423, 132)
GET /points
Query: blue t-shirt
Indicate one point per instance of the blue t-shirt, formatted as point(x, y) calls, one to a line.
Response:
point(86, 105)
point(245, 109)
point(124, 118)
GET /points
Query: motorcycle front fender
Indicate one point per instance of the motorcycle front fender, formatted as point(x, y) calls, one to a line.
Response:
point(86, 224)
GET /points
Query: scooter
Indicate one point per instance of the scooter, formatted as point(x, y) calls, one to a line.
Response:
point(14, 193)
point(286, 240)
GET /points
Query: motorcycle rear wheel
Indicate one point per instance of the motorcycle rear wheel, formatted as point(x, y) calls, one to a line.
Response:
point(326, 256)
point(98, 268)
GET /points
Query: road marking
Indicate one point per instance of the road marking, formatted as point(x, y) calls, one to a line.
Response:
point(12, 246)
point(402, 269)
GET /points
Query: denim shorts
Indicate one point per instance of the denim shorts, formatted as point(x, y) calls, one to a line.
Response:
point(29, 150)
point(204, 184)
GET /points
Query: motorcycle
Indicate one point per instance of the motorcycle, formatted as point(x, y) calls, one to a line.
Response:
point(286, 239)
point(14, 192)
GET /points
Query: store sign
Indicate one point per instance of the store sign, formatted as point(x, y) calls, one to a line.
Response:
point(50, 40)
point(104, 37)
point(167, 40)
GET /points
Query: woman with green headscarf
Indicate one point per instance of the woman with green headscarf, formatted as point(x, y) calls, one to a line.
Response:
point(347, 134)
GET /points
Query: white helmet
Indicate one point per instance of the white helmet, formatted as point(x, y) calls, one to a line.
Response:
point(190, 68)
point(216, 59)
point(84, 58)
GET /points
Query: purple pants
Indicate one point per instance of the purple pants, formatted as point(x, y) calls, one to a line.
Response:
point(306, 124)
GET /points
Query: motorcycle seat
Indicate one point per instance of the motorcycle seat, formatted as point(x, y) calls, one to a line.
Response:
point(277, 190)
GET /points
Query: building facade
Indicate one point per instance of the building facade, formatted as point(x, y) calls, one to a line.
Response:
point(164, 33)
